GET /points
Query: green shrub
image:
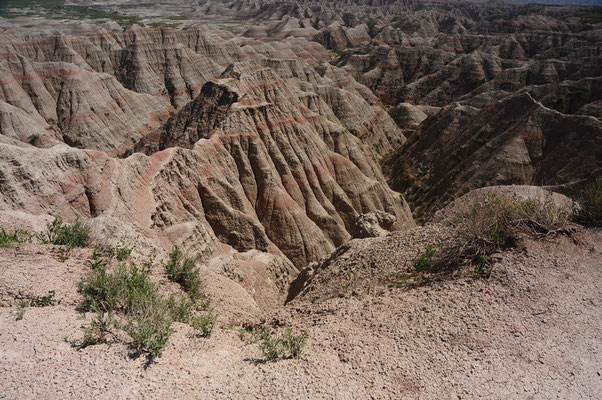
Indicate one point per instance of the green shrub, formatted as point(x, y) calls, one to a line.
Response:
point(293, 344)
point(424, 259)
point(149, 325)
point(98, 329)
point(100, 290)
point(96, 263)
point(125, 290)
point(70, 235)
point(590, 200)
point(183, 271)
point(147, 315)
point(273, 347)
point(204, 323)
point(64, 253)
point(130, 291)
point(45, 301)
point(123, 253)
point(183, 310)
point(37, 301)
point(6, 238)
point(18, 236)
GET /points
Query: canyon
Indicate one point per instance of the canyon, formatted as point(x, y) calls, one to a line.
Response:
point(302, 153)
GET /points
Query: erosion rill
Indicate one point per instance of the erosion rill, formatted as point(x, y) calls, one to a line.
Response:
point(306, 199)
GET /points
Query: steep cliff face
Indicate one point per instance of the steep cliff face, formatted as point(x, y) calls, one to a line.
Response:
point(301, 171)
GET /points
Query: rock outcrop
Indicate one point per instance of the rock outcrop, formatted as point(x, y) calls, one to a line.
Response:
point(516, 140)
point(251, 161)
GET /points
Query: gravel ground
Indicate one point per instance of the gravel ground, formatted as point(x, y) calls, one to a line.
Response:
point(529, 331)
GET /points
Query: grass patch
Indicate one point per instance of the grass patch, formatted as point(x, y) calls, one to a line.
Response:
point(183, 270)
point(45, 301)
point(129, 300)
point(273, 347)
point(129, 292)
point(123, 253)
point(58, 10)
point(424, 259)
point(289, 345)
point(8, 238)
point(185, 310)
point(590, 200)
point(494, 224)
point(163, 25)
point(590, 18)
point(72, 235)
point(37, 301)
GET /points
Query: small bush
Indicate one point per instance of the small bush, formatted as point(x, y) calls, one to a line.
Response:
point(123, 253)
point(64, 253)
point(149, 325)
point(293, 344)
point(147, 316)
point(183, 271)
point(98, 329)
point(126, 289)
point(261, 333)
point(130, 291)
point(497, 223)
point(204, 324)
point(96, 263)
point(183, 310)
point(70, 235)
point(590, 200)
point(38, 301)
point(272, 348)
point(424, 259)
point(18, 236)
point(45, 301)
point(100, 291)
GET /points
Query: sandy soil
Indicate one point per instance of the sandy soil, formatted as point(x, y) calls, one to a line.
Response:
point(529, 331)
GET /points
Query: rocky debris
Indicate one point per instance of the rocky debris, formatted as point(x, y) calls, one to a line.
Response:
point(374, 224)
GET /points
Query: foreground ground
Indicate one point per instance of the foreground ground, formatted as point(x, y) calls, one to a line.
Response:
point(531, 330)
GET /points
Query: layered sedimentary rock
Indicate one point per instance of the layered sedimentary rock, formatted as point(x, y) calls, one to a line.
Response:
point(512, 90)
point(252, 161)
point(516, 140)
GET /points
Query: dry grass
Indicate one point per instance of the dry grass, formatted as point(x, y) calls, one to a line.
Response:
point(497, 223)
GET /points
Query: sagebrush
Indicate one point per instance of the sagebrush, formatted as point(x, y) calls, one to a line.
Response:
point(128, 299)
point(183, 270)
